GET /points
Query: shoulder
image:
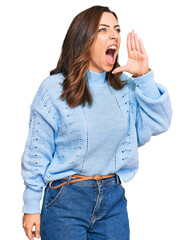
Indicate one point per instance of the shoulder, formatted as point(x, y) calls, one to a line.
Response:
point(45, 100)
point(52, 82)
point(49, 89)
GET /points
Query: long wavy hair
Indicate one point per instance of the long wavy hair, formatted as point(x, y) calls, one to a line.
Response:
point(75, 55)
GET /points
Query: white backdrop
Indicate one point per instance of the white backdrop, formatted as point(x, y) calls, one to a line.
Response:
point(160, 199)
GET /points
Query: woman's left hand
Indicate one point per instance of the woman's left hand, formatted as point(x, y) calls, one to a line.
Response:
point(137, 58)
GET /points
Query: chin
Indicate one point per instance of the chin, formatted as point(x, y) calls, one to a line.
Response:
point(108, 68)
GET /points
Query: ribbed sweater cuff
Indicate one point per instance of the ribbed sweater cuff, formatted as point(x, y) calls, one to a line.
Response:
point(31, 200)
point(147, 85)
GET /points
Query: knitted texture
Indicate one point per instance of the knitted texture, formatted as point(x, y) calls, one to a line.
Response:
point(99, 139)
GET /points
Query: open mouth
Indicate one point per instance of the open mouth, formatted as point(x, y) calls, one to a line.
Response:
point(110, 54)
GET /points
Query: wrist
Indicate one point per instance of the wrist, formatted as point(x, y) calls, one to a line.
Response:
point(138, 75)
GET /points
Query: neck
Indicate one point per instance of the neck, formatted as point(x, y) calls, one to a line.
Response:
point(96, 78)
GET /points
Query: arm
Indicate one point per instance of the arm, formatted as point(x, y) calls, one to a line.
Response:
point(153, 107)
point(37, 155)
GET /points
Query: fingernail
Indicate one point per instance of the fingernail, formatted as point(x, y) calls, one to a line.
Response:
point(112, 72)
point(38, 236)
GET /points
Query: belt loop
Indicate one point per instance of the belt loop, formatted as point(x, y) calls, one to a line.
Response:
point(117, 179)
point(68, 181)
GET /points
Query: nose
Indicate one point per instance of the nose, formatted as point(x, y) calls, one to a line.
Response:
point(114, 34)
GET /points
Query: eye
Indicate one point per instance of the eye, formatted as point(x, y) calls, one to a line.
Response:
point(118, 30)
point(102, 29)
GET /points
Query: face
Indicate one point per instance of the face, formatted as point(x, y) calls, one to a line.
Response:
point(104, 49)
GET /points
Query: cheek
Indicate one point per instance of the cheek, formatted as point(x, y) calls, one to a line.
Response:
point(100, 43)
point(98, 52)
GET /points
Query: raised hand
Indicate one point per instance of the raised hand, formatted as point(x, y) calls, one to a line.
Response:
point(137, 63)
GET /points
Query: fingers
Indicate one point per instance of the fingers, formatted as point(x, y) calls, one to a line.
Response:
point(37, 231)
point(129, 43)
point(31, 234)
point(119, 69)
point(132, 40)
point(29, 220)
point(137, 47)
point(134, 44)
point(28, 232)
point(142, 48)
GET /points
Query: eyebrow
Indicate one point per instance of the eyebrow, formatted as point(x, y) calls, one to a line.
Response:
point(108, 25)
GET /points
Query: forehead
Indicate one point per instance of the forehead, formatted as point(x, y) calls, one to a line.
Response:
point(108, 18)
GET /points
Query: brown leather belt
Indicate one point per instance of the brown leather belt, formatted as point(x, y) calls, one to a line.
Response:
point(82, 178)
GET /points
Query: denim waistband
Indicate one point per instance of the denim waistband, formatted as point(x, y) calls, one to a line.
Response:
point(103, 181)
point(88, 182)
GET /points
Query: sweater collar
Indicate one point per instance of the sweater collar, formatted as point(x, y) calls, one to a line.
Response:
point(95, 78)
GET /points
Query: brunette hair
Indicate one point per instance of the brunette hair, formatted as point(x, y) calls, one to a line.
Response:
point(75, 54)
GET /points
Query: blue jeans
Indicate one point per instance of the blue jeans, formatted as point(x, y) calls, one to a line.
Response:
point(85, 210)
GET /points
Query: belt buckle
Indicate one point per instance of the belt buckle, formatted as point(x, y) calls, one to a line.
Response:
point(97, 177)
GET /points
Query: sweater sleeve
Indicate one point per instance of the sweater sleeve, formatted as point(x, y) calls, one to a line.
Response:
point(153, 107)
point(38, 152)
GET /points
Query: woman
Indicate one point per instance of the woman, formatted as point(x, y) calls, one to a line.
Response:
point(87, 121)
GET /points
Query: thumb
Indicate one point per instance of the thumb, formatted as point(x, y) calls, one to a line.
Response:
point(37, 230)
point(118, 69)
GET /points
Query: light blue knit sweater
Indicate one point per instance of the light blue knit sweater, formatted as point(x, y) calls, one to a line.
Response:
point(102, 139)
